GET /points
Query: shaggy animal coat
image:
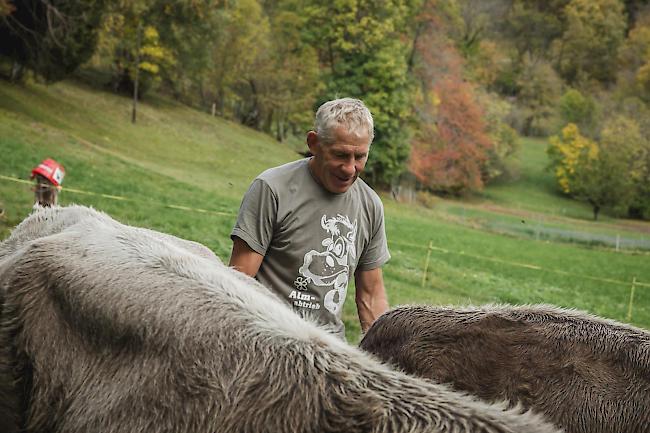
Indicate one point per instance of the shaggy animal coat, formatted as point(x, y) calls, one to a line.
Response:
point(109, 328)
point(587, 374)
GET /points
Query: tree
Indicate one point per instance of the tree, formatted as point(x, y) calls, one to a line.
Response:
point(450, 147)
point(486, 66)
point(578, 109)
point(533, 26)
point(239, 54)
point(175, 45)
point(538, 91)
point(50, 37)
point(122, 44)
point(292, 81)
point(452, 157)
point(605, 174)
point(634, 61)
point(640, 205)
point(361, 49)
point(264, 73)
point(505, 140)
point(188, 30)
point(478, 18)
point(635, 109)
point(572, 157)
point(618, 169)
point(593, 33)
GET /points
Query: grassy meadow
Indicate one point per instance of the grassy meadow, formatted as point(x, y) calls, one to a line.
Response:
point(495, 247)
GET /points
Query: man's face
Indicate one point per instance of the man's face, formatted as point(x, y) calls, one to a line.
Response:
point(337, 165)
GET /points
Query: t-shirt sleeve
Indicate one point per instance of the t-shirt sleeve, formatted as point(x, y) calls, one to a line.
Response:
point(257, 216)
point(376, 253)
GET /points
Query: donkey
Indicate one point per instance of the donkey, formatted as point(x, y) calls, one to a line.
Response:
point(586, 374)
point(110, 328)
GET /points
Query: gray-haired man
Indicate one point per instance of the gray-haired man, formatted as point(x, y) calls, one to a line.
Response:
point(306, 227)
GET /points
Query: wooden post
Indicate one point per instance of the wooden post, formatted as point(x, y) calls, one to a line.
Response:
point(629, 307)
point(45, 193)
point(426, 264)
point(618, 241)
point(137, 72)
point(214, 109)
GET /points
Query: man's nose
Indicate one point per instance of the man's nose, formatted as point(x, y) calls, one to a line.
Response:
point(349, 167)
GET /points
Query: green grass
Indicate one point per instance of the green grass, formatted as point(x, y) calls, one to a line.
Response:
point(173, 155)
point(535, 190)
point(178, 156)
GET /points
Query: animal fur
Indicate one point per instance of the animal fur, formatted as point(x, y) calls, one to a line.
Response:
point(587, 374)
point(109, 328)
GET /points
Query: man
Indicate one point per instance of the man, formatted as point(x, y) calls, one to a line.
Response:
point(305, 227)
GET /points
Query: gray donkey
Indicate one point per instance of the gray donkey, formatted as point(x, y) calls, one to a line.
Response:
point(586, 374)
point(109, 328)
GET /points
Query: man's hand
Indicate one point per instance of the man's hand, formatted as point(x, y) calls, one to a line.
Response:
point(371, 297)
point(244, 258)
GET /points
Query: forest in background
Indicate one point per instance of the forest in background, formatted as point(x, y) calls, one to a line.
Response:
point(452, 84)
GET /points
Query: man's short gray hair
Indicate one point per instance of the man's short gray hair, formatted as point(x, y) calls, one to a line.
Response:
point(348, 112)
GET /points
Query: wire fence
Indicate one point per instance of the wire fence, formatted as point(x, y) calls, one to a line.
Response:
point(127, 199)
point(538, 231)
point(534, 229)
point(542, 232)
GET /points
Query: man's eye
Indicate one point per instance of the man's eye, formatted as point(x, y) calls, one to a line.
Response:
point(360, 157)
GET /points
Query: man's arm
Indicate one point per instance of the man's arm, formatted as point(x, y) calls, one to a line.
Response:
point(244, 258)
point(371, 297)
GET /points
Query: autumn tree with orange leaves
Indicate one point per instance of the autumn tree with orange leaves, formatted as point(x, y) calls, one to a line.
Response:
point(451, 148)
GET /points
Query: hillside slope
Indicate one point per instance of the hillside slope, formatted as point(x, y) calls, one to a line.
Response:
point(183, 172)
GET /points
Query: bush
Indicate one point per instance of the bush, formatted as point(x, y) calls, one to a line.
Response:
point(427, 199)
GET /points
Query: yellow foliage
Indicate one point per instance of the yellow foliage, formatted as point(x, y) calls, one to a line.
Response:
point(153, 52)
point(570, 153)
point(151, 34)
point(149, 67)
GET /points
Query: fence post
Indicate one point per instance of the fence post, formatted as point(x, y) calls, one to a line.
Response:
point(618, 241)
point(629, 307)
point(426, 264)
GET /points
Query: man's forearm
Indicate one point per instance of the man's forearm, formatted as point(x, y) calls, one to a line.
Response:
point(370, 308)
point(371, 297)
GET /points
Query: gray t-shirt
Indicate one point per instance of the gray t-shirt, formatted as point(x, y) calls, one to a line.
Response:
point(312, 240)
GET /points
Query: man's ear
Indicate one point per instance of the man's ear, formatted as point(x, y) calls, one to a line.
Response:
point(312, 142)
